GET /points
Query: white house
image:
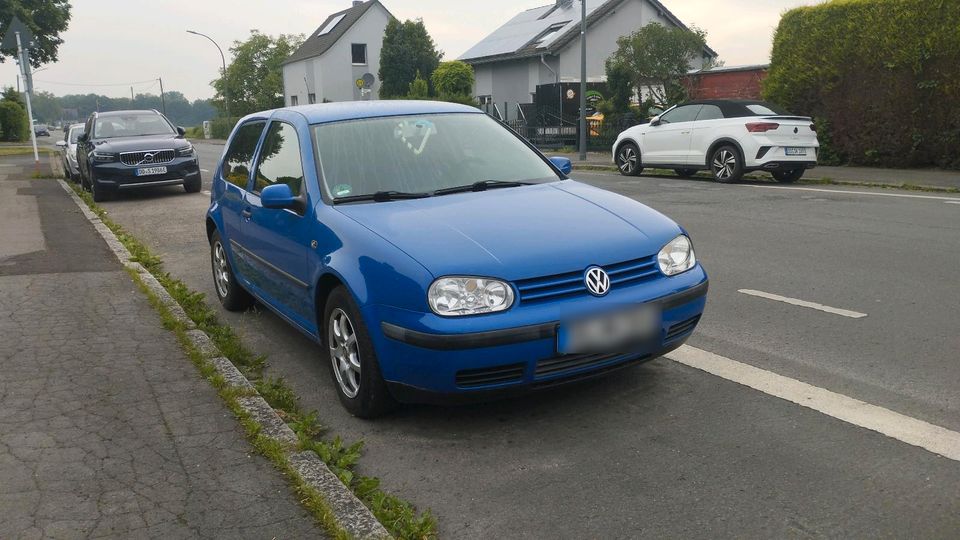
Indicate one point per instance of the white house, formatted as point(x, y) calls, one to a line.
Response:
point(542, 46)
point(341, 52)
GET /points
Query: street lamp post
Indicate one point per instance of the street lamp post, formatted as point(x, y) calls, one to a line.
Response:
point(583, 80)
point(223, 59)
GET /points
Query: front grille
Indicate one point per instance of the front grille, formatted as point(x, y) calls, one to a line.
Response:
point(139, 159)
point(571, 283)
point(468, 378)
point(570, 362)
point(682, 328)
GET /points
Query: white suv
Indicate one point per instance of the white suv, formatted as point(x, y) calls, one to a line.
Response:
point(726, 137)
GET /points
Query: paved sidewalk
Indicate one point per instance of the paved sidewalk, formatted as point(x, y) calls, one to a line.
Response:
point(106, 428)
point(936, 178)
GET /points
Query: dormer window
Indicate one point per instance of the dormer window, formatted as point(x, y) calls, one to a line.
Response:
point(549, 33)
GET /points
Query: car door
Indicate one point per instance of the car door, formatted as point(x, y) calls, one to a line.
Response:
point(277, 240)
point(668, 142)
point(705, 128)
point(232, 180)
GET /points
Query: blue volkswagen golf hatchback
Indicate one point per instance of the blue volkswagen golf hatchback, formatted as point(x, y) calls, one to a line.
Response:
point(434, 254)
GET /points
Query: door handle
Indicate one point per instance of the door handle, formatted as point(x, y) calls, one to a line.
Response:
point(246, 213)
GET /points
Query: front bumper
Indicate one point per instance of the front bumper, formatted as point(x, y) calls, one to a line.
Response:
point(116, 175)
point(430, 363)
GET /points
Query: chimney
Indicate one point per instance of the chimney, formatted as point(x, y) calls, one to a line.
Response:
point(357, 3)
point(563, 3)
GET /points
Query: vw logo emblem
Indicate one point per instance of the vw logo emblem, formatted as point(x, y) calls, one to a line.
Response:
point(597, 281)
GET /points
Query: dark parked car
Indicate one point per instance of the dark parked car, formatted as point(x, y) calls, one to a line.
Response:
point(41, 130)
point(123, 150)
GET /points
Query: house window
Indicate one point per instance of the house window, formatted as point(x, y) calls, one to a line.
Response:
point(548, 33)
point(359, 54)
point(311, 98)
point(293, 101)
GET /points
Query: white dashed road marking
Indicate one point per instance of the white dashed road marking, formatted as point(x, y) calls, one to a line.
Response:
point(952, 202)
point(903, 428)
point(901, 195)
point(204, 170)
point(205, 192)
point(804, 303)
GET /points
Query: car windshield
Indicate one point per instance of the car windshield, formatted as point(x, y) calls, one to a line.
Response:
point(75, 134)
point(131, 125)
point(423, 154)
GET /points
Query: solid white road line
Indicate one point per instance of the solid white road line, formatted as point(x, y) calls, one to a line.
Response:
point(205, 192)
point(952, 202)
point(804, 303)
point(903, 428)
point(204, 170)
point(901, 195)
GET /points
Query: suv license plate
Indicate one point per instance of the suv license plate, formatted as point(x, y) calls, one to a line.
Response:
point(796, 151)
point(150, 171)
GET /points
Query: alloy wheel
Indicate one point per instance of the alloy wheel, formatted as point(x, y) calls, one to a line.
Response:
point(220, 270)
point(724, 164)
point(344, 353)
point(627, 159)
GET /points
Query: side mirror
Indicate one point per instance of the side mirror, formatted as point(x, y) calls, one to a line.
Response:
point(562, 163)
point(279, 196)
point(181, 131)
point(655, 121)
point(62, 144)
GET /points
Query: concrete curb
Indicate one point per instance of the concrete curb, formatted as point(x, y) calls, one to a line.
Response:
point(350, 513)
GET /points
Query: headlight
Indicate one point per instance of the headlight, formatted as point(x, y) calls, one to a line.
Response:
point(186, 152)
point(103, 156)
point(677, 256)
point(454, 296)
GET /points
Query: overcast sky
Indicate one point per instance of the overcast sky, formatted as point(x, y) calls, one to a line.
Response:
point(116, 42)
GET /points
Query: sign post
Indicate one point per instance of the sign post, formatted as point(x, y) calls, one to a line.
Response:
point(17, 34)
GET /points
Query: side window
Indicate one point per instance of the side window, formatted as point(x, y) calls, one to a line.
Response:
point(294, 101)
point(686, 113)
point(280, 161)
point(710, 112)
point(236, 163)
point(359, 53)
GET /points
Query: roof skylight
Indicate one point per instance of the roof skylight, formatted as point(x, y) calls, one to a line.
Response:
point(332, 24)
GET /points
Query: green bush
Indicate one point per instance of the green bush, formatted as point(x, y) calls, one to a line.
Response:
point(195, 132)
point(879, 76)
point(222, 127)
point(14, 126)
point(454, 78)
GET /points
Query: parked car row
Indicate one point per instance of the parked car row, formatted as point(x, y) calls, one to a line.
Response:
point(68, 150)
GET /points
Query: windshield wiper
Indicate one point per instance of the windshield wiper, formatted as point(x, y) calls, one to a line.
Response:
point(480, 186)
point(381, 196)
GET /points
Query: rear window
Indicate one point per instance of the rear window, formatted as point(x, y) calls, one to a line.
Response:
point(766, 109)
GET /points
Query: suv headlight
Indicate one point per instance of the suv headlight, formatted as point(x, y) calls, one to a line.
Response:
point(186, 151)
point(677, 256)
point(455, 296)
point(103, 156)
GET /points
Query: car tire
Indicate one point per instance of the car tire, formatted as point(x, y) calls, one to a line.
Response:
point(352, 359)
point(98, 193)
point(628, 160)
point(788, 177)
point(685, 173)
point(193, 185)
point(726, 164)
point(232, 296)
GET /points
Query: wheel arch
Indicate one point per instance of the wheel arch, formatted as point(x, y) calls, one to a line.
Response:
point(325, 285)
point(723, 141)
point(211, 228)
point(628, 140)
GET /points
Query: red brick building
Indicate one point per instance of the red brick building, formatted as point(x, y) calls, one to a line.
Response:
point(741, 82)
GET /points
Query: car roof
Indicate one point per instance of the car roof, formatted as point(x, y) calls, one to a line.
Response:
point(131, 111)
point(721, 102)
point(322, 113)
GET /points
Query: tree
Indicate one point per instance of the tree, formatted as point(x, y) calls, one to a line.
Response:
point(453, 79)
point(407, 49)
point(46, 107)
point(14, 126)
point(45, 18)
point(419, 89)
point(656, 58)
point(254, 79)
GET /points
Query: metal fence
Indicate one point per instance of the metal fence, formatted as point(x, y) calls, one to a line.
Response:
point(548, 129)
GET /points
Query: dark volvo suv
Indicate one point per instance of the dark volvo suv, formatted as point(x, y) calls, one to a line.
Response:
point(131, 149)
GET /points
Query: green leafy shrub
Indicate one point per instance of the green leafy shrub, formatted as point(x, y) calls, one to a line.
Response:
point(879, 76)
point(14, 126)
point(221, 127)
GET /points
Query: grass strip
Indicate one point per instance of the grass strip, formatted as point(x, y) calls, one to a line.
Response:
point(24, 150)
point(399, 517)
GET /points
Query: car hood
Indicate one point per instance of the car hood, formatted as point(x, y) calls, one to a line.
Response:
point(139, 144)
point(518, 233)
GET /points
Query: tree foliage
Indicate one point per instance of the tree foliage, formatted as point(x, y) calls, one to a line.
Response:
point(879, 76)
point(407, 49)
point(419, 89)
point(453, 79)
point(45, 18)
point(48, 108)
point(254, 78)
point(14, 125)
point(655, 58)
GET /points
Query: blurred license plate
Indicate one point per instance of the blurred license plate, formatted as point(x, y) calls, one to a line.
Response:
point(796, 151)
point(613, 332)
point(149, 171)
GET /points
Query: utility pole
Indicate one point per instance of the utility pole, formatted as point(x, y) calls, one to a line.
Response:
point(583, 80)
point(163, 103)
point(25, 66)
point(131, 96)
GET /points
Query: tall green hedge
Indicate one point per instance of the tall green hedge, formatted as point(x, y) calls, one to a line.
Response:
point(221, 127)
point(14, 126)
point(882, 78)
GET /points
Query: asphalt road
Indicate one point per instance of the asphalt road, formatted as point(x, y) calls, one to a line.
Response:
point(665, 449)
